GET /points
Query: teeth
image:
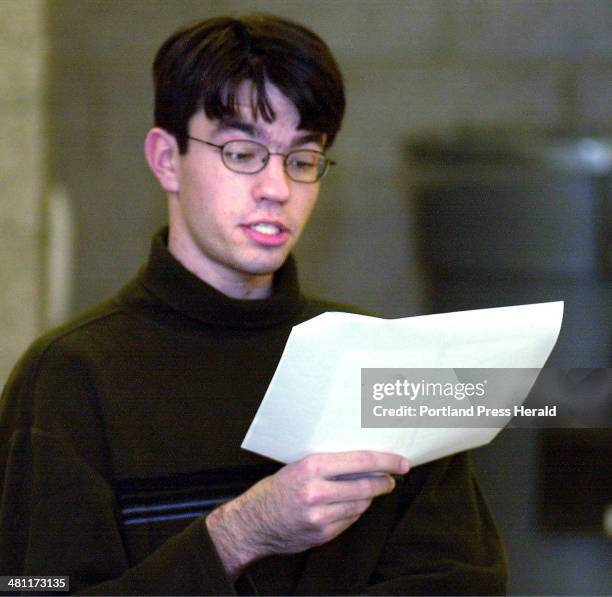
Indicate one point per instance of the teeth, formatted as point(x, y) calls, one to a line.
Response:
point(262, 228)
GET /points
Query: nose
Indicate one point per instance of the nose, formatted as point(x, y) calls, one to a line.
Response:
point(272, 181)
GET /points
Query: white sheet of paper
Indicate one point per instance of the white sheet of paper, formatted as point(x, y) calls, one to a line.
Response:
point(313, 403)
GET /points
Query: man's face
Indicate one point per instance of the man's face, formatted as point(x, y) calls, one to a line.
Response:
point(235, 230)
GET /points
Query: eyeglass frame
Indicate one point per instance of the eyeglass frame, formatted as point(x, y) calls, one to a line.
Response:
point(285, 156)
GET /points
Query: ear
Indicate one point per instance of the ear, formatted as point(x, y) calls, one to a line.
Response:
point(161, 151)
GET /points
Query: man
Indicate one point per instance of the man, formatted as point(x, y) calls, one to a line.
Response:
point(121, 431)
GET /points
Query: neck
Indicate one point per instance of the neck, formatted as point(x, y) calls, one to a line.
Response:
point(234, 284)
point(248, 288)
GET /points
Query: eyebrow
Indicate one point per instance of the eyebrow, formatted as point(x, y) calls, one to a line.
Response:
point(254, 131)
point(310, 138)
point(239, 125)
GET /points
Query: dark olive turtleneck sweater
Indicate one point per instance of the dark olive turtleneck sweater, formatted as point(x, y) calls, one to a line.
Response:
point(121, 429)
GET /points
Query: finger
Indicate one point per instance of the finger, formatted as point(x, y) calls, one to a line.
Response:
point(359, 489)
point(330, 514)
point(343, 511)
point(331, 465)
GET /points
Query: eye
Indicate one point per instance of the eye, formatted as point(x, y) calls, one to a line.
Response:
point(240, 156)
point(304, 160)
point(244, 153)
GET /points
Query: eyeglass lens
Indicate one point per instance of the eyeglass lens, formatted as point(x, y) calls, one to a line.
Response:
point(249, 157)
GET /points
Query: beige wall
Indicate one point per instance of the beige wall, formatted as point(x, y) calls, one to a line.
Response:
point(23, 48)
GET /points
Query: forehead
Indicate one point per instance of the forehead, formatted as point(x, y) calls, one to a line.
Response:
point(283, 109)
point(282, 129)
point(279, 123)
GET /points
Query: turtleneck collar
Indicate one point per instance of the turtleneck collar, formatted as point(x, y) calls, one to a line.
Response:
point(175, 285)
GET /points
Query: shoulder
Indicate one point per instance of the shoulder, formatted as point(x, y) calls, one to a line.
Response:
point(91, 329)
point(61, 353)
point(52, 388)
point(72, 333)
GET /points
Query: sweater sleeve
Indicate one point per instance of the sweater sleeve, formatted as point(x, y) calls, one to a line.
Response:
point(433, 535)
point(445, 541)
point(58, 511)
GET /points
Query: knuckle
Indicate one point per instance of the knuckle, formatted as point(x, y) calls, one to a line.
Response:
point(311, 466)
point(314, 519)
point(300, 467)
point(311, 495)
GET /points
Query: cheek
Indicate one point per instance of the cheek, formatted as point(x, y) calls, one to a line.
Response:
point(207, 196)
point(306, 203)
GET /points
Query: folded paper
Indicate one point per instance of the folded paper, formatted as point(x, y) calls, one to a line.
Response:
point(313, 403)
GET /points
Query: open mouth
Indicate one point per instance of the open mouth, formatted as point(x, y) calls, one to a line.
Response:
point(265, 228)
point(267, 233)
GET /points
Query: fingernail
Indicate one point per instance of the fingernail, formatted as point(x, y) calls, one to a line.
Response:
point(404, 465)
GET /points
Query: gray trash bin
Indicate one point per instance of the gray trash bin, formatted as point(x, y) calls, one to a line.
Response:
point(520, 218)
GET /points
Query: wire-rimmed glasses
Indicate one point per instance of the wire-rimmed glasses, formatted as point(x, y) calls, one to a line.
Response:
point(250, 157)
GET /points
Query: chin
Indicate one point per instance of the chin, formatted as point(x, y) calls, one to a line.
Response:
point(264, 267)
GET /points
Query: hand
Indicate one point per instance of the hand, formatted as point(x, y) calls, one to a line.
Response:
point(303, 505)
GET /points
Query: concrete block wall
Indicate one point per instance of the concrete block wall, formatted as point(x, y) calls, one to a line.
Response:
point(22, 173)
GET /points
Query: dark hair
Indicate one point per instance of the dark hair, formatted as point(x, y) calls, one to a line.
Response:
point(202, 67)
